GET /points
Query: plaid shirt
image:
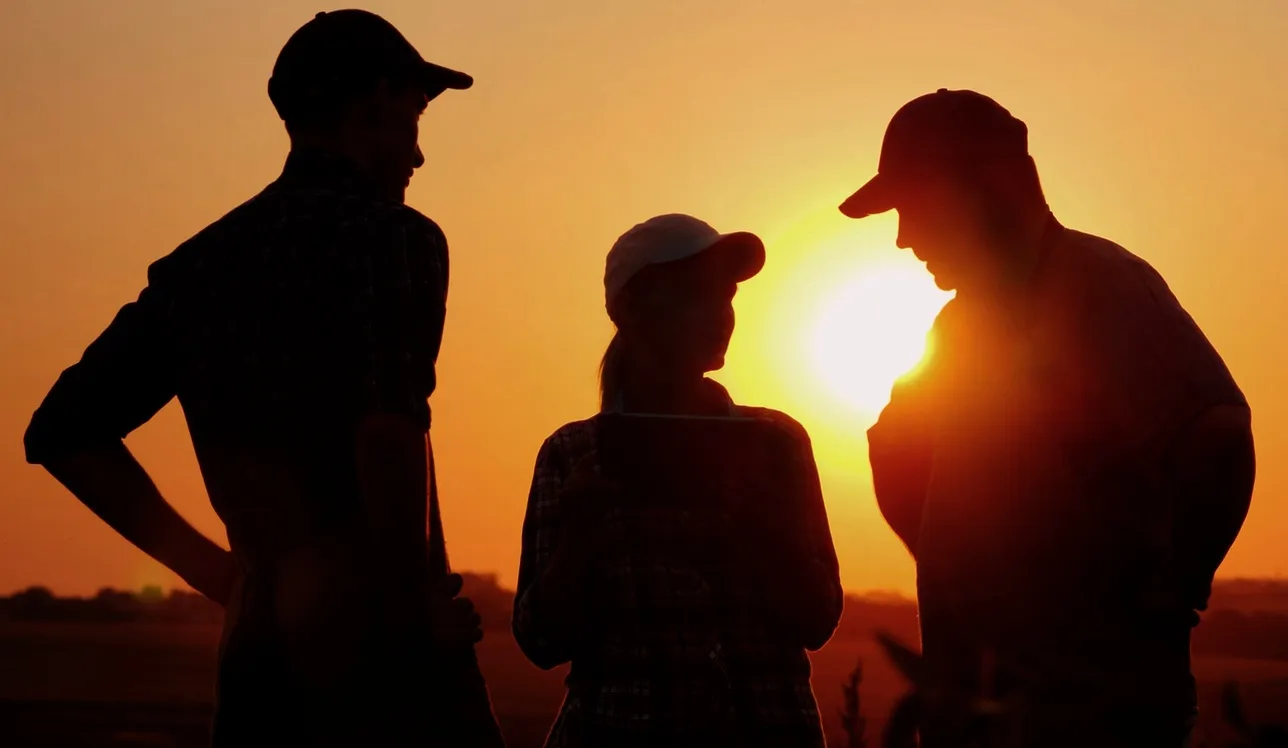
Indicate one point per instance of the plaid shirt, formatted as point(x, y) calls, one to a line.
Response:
point(675, 658)
point(278, 327)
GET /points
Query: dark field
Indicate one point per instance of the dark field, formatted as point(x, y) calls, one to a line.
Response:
point(149, 684)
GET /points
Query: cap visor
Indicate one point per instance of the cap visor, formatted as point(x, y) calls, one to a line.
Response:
point(437, 79)
point(872, 198)
point(741, 253)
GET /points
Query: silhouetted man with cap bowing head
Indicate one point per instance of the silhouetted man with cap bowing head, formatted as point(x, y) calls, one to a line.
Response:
point(1070, 464)
point(299, 333)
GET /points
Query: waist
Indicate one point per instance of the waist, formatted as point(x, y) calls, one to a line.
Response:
point(699, 678)
point(690, 702)
point(261, 537)
point(1066, 657)
point(272, 498)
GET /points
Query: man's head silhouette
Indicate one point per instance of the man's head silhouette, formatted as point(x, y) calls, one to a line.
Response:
point(348, 82)
point(956, 166)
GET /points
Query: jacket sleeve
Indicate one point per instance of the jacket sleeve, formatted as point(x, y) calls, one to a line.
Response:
point(901, 443)
point(822, 572)
point(399, 312)
point(1176, 409)
point(123, 378)
point(544, 642)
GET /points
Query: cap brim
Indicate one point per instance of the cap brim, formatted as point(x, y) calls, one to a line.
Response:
point(741, 254)
point(438, 79)
point(877, 196)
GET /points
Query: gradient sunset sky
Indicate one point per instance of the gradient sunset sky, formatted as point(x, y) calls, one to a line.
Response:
point(128, 126)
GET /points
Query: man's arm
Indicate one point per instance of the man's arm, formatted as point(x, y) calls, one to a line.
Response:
point(114, 486)
point(123, 379)
point(1211, 470)
point(900, 452)
point(1173, 400)
point(400, 323)
point(901, 443)
point(393, 474)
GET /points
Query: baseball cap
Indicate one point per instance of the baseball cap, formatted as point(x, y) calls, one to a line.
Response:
point(339, 51)
point(673, 237)
point(939, 133)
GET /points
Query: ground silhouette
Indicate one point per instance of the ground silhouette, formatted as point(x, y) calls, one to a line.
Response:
point(133, 668)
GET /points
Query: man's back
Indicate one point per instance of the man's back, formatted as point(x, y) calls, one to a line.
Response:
point(294, 316)
point(299, 333)
point(280, 328)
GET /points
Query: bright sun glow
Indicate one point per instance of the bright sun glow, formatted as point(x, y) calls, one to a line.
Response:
point(873, 330)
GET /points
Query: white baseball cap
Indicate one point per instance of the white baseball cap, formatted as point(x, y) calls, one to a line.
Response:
point(673, 237)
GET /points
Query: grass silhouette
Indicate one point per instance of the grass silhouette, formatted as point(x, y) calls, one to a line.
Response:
point(852, 720)
point(986, 722)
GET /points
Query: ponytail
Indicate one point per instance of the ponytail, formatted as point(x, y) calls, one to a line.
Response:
point(612, 369)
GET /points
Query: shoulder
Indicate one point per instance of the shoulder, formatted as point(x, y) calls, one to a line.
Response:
point(413, 224)
point(1117, 298)
point(373, 222)
point(1109, 280)
point(392, 246)
point(386, 226)
point(778, 418)
point(1126, 312)
point(417, 244)
point(208, 247)
point(568, 443)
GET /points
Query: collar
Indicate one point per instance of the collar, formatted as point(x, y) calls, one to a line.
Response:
point(715, 400)
point(1046, 239)
point(315, 168)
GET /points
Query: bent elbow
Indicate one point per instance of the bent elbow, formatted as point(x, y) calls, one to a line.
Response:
point(45, 440)
point(821, 632)
point(539, 642)
point(816, 639)
point(545, 660)
point(820, 618)
point(539, 650)
point(35, 445)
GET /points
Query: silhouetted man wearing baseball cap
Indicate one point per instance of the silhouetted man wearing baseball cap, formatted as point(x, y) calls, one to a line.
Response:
point(1069, 466)
point(299, 333)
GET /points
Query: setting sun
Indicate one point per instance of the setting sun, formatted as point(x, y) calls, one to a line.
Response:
point(164, 105)
point(873, 330)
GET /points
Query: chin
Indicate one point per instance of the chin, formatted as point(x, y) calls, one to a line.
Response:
point(944, 283)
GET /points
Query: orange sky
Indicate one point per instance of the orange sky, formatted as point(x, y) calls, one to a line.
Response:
point(126, 127)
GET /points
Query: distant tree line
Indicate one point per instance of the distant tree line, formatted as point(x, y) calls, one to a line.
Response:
point(1249, 618)
point(1253, 632)
point(1257, 634)
point(154, 605)
point(110, 606)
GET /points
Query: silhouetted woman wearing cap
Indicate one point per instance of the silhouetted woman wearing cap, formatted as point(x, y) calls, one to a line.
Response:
point(685, 623)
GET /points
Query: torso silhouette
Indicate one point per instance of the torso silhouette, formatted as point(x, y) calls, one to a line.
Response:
point(1043, 420)
point(278, 327)
point(678, 649)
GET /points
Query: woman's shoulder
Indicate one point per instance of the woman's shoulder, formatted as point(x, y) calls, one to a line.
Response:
point(570, 440)
point(776, 417)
